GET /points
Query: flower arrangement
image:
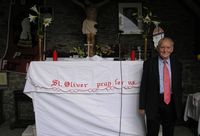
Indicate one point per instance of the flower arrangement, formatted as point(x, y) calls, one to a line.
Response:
point(77, 50)
point(147, 20)
point(100, 50)
point(42, 19)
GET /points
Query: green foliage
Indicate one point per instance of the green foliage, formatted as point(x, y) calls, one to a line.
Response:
point(102, 50)
point(78, 50)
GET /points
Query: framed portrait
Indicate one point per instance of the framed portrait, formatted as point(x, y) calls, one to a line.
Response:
point(129, 18)
point(3, 79)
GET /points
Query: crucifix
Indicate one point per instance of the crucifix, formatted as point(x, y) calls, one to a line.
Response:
point(89, 24)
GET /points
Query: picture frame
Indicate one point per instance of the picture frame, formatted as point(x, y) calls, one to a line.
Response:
point(3, 79)
point(130, 18)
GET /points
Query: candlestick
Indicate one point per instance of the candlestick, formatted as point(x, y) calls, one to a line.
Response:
point(132, 55)
point(40, 50)
point(145, 47)
point(55, 55)
point(139, 53)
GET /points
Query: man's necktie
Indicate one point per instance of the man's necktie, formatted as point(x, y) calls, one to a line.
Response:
point(166, 83)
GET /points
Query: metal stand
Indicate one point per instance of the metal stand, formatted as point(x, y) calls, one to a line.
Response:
point(145, 47)
point(119, 44)
point(139, 53)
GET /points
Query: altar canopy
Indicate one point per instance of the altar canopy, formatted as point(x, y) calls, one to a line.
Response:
point(86, 98)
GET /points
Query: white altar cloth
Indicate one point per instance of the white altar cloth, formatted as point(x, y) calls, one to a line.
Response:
point(87, 98)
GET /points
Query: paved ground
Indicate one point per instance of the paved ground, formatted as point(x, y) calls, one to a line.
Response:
point(5, 131)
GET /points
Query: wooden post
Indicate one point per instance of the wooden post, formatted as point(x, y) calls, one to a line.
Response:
point(89, 52)
point(40, 49)
point(90, 44)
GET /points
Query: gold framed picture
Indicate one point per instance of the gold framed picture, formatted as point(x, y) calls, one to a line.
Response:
point(3, 79)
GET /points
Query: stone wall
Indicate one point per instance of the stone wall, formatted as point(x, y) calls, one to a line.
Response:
point(66, 29)
point(4, 10)
point(191, 74)
point(16, 81)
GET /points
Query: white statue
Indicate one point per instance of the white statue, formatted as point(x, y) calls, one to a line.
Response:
point(26, 29)
point(89, 23)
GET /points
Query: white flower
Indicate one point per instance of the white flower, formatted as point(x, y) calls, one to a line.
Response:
point(156, 23)
point(47, 21)
point(32, 18)
point(34, 8)
point(147, 19)
point(150, 13)
point(134, 14)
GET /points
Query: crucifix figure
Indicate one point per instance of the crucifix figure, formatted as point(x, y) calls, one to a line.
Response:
point(90, 23)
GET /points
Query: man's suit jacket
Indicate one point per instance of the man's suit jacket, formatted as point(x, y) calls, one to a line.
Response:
point(150, 90)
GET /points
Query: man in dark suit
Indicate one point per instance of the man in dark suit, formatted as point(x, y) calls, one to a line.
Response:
point(158, 106)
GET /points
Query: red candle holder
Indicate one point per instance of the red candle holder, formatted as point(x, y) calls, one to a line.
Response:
point(132, 55)
point(55, 55)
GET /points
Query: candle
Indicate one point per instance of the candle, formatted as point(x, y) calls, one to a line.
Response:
point(55, 55)
point(132, 55)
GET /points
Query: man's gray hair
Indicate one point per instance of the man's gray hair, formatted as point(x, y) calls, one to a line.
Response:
point(166, 38)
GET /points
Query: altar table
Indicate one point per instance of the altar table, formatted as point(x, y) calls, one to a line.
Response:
point(86, 98)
